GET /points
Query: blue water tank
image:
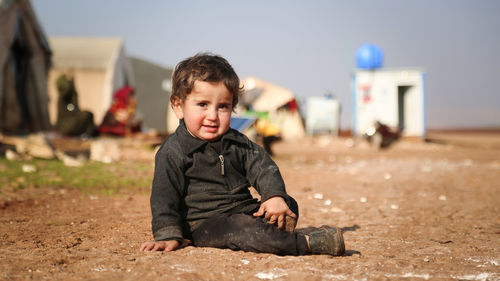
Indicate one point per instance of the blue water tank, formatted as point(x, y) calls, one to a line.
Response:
point(369, 56)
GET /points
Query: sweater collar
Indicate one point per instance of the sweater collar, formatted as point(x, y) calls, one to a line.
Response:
point(191, 143)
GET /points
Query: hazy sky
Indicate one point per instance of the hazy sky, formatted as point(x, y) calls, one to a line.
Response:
point(309, 46)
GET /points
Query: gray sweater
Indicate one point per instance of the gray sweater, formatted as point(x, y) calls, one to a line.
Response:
point(194, 181)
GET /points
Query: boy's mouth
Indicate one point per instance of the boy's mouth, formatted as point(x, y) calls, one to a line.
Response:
point(210, 129)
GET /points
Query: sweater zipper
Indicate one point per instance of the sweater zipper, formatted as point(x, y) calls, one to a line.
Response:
point(221, 158)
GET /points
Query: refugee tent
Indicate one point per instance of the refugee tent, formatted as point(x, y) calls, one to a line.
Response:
point(99, 66)
point(278, 102)
point(24, 65)
point(152, 93)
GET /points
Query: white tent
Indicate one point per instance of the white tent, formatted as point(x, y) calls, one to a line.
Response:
point(99, 66)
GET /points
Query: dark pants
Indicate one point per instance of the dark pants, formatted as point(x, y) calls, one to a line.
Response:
point(248, 233)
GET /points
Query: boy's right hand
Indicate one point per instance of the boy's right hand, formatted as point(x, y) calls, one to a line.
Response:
point(275, 210)
point(165, 246)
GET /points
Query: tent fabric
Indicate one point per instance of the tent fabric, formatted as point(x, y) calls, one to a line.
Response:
point(24, 64)
point(270, 96)
point(152, 97)
point(99, 66)
point(278, 102)
point(84, 52)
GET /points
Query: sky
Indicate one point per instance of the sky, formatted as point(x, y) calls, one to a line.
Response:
point(309, 46)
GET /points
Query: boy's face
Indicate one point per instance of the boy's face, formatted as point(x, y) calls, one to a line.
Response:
point(206, 110)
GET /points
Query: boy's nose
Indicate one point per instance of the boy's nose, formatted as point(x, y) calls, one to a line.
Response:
point(212, 114)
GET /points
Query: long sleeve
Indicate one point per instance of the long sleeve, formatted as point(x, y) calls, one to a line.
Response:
point(262, 173)
point(167, 196)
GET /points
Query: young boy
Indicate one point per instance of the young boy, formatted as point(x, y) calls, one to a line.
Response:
point(203, 172)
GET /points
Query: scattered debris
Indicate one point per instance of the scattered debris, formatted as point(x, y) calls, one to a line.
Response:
point(481, 276)
point(409, 275)
point(271, 275)
point(99, 268)
point(34, 145)
point(27, 168)
point(318, 196)
point(394, 206)
point(105, 150)
point(38, 146)
point(336, 210)
point(68, 160)
point(442, 197)
point(11, 155)
point(442, 242)
point(362, 199)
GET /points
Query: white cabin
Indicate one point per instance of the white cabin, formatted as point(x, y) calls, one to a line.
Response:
point(394, 97)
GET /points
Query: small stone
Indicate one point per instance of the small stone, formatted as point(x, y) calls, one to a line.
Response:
point(11, 155)
point(318, 196)
point(336, 210)
point(29, 168)
point(105, 151)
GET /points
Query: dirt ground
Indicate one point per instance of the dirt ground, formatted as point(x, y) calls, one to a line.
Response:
point(415, 211)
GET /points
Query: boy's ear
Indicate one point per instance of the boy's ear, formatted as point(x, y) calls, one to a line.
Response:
point(177, 107)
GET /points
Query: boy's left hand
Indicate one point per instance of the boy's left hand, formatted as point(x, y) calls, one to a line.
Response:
point(275, 209)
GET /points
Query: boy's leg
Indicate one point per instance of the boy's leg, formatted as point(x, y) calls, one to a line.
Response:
point(248, 233)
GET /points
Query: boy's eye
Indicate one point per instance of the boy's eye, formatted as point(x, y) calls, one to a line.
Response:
point(202, 104)
point(224, 106)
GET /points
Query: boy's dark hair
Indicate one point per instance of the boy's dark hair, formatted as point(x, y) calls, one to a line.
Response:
point(204, 67)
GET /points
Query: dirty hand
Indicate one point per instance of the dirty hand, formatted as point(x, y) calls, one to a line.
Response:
point(275, 209)
point(165, 246)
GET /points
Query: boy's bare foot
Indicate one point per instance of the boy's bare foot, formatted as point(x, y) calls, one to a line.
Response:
point(327, 240)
